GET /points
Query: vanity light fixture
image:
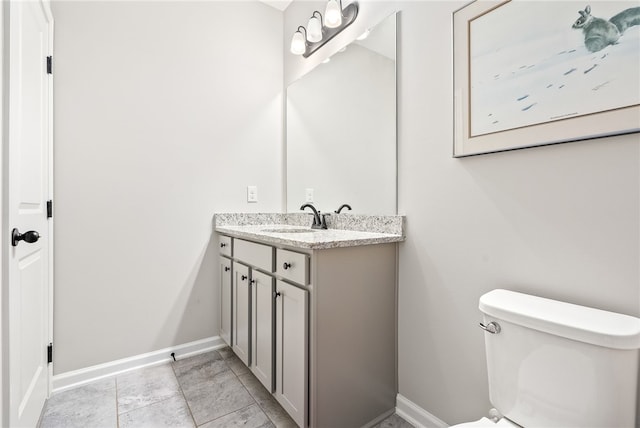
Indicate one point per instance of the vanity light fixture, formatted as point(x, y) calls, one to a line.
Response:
point(319, 31)
point(333, 13)
point(314, 28)
point(298, 44)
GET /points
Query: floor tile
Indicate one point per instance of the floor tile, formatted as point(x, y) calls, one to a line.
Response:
point(393, 421)
point(267, 402)
point(186, 363)
point(226, 352)
point(91, 405)
point(170, 413)
point(146, 386)
point(219, 391)
point(249, 417)
point(237, 365)
point(218, 396)
point(201, 368)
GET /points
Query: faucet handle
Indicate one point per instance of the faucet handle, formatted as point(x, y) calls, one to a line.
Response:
point(324, 220)
point(343, 206)
point(315, 219)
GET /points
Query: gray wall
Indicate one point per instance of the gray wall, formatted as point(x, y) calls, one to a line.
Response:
point(164, 113)
point(560, 221)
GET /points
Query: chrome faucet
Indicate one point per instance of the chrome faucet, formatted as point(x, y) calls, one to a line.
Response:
point(318, 221)
point(347, 206)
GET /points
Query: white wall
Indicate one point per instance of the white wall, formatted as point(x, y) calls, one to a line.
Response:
point(164, 113)
point(560, 221)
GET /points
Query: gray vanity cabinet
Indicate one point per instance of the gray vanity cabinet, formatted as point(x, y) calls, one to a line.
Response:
point(225, 298)
point(318, 328)
point(292, 344)
point(241, 309)
point(352, 335)
point(262, 314)
point(253, 308)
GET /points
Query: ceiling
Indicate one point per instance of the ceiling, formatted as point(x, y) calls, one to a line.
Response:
point(278, 4)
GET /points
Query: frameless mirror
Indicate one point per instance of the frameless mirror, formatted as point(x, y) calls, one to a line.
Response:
point(341, 129)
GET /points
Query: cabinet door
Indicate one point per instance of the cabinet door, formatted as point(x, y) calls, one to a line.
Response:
point(262, 328)
point(241, 312)
point(291, 350)
point(225, 300)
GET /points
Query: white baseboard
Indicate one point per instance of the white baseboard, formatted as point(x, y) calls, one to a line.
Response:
point(416, 415)
point(72, 379)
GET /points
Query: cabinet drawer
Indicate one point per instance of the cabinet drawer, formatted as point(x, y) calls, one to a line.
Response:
point(293, 266)
point(258, 255)
point(225, 245)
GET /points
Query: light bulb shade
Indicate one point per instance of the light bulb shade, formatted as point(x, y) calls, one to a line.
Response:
point(333, 14)
point(314, 30)
point(298, 45)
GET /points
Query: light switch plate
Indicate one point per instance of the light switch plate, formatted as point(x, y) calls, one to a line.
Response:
point(252, 193)
point(308, 195)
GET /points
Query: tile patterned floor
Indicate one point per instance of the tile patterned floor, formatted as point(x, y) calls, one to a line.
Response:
point(211, 390)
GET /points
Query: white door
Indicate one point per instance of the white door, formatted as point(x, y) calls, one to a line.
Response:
point(28, 192)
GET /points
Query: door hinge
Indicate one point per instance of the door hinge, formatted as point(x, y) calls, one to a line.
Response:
point(50, 353)
point(49, 65)
point(49, 208)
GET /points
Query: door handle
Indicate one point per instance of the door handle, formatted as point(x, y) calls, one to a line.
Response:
point(29, 237)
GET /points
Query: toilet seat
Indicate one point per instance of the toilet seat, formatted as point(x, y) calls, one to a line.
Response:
point(487, 423)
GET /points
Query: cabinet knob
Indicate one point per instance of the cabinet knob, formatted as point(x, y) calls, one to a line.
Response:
point(227, 268)
point(276, 294)
point(286, 265)
point(243, 277)
point(253, 281)
point(223, 244)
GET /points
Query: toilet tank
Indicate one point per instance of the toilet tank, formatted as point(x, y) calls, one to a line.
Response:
point(555, 364)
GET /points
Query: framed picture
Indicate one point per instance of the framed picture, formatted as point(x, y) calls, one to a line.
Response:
point(531, 73)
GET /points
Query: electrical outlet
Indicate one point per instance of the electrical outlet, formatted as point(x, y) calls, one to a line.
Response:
point(308, 195)
point(252, 193)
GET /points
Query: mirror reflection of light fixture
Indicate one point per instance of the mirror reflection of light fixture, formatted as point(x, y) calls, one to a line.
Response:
point(314, 28)
point(364, 35)
point(317, 32)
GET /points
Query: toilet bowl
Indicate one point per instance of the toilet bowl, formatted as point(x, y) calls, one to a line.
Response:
point(556, 364)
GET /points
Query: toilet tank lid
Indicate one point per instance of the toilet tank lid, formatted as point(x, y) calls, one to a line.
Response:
point(589, 325)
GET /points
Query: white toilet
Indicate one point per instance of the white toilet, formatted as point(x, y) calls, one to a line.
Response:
point(555, 364)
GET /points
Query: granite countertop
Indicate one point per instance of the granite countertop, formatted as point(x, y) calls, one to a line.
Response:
point(310, 238)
